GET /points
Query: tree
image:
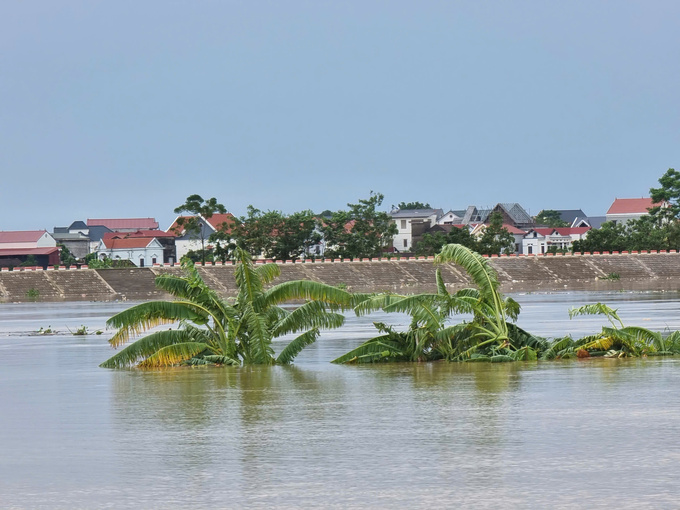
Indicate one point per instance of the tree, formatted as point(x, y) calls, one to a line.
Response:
point(200, 210)
point(550, 218)
point(275, 235)
point(496, 239)
point(213, 331)
point(609, 237)
point(412, 205)
point(360, 232)
point(429, 336)
point(65, 255)
point(432, 244)
point(667, 195)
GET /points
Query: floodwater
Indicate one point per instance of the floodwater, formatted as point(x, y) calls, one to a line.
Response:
point(571, 434)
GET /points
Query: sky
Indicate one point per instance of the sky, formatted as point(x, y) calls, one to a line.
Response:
point(123, 109)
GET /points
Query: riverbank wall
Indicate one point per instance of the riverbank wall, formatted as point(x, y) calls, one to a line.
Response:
point(651, 271)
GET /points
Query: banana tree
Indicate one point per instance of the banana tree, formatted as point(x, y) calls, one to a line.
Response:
point(429, 337)
point(211, 330)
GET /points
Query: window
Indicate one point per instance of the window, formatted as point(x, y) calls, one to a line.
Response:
point(141, 262)
point(153, 260)
point(405, 243)
point(531, 249)
point(403, 224)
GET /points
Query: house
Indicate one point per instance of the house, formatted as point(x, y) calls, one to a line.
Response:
point(517, 233)
point(542, 240)
point(17, 246)
point(78, 244)
point(186, 241)
point(623, 210)
point(141, 251)
point(124, 224)
point(451, 218)
point(512, 213)
point(411, 225)
point(166, 240)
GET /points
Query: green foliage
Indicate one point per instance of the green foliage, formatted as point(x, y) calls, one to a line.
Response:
point(668, 192)
point(211, 331)
point(362, 231)
point(95, 263)
point(611, 277)
point(66, 257)
point(496, 239)
point(30, 261)
point(432, 244)
point(550, 218)
point(32, 294)
point(413, 205)
point(275, 235)
point(200, 210)
point(430, 337)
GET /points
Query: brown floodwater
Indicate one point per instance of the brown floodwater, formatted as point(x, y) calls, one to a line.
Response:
point(573, 434)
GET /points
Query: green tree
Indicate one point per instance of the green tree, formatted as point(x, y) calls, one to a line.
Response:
point(550, 218)
point(432, 244)
point(488, 336)
point(496, 239)
point(65, 255)
point(276, 235)
point(413, 205)
point(667, 194)
point(219, 331)
point(201, 210)
point(609, 237)
point(362, 231)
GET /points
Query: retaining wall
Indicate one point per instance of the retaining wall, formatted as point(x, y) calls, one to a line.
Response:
point(636, 271)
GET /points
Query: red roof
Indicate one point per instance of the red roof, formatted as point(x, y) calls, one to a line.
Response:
point(565, 231)
point(514, 230)
point(216, 221)
point(27, 251)
point(124, 244)
point(138, 234)
point(21, 236)
point(114, 223)
point(631, 206)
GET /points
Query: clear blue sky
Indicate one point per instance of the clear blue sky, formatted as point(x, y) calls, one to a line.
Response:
point(122, 109)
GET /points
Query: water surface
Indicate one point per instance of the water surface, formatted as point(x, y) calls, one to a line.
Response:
point(599, 433)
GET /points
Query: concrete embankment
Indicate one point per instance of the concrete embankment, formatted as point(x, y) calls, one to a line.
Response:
point(643, 271)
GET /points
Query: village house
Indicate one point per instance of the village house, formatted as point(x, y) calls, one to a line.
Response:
point(478, 231)
point(623, 210)
point(542, 240)
point(411, 225)
point(17, 247)
point(141, 251)
point(166, 240)
point(124, 224)
point(186, 241)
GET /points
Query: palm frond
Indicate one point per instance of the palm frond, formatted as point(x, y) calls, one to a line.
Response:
point(146, 346)
point(372, 350)
point(268, 272)
point(441, 286)
point(512, 308)
point(259, 338)
point(375, 302)
point(476, 266)
point(312, 314)
point(596, 309)
point(307, 290)
point(145, 316)
point(174, 354)
point(295, 346)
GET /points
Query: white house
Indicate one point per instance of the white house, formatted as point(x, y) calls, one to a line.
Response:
point(624, 209)
point(141, 251)
point(541, 240)
point(188, 241)
point(478, 231)
point(411, 223)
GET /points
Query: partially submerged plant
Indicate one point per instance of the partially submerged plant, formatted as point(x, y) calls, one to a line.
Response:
point(210, 330)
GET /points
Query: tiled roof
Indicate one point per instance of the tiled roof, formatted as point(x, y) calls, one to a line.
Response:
point(123, 244)
point(138, 234)
point(565, 231)
point(514, 230)
point(21, 236)
point(631, 206)
point(27, 251)
point(114, 223)
point(216, 221)
point(416, 213)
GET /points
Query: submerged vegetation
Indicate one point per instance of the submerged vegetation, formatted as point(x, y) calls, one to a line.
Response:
point(214, 331)
point(209, 330)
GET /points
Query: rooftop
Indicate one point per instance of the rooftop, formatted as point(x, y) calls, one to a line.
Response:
point(116, 223)
point(21, 236)
point(631, 206)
